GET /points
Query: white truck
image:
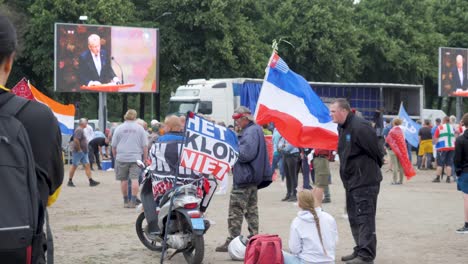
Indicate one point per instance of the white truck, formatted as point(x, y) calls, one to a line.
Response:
point(217, 98)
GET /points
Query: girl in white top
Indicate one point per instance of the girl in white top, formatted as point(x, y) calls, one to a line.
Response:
point(313, 235)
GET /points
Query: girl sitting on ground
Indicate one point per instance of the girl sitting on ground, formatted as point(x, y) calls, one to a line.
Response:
point(313, 235)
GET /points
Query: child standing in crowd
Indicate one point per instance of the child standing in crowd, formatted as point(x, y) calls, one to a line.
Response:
point(313, 234)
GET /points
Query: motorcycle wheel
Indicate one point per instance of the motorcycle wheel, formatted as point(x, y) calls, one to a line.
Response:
point(148, 240)
point(194, 254)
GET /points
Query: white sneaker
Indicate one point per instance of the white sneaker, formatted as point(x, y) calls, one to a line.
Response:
point(110, 169)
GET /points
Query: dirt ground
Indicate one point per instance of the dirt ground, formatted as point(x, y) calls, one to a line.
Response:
point(416, 222)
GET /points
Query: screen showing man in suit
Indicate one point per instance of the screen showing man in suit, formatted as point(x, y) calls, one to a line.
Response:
point(459, 74)
point(99, 58)
point(453, 72)
point(94, 64)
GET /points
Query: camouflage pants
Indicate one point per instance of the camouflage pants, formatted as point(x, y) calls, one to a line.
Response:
point(243, 203)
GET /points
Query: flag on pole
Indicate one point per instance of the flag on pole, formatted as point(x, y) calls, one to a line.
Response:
point(208, 148)
point(65, 114)
point(411, 128)
point(287, 100)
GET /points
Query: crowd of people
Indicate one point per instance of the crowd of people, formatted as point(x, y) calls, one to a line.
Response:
point(441, 147)
point(358, 156)
point(313, 233)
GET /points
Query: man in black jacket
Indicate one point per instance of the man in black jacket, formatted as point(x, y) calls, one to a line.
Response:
point(360, 162)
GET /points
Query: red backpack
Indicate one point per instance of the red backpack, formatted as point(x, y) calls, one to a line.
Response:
point(264, 249)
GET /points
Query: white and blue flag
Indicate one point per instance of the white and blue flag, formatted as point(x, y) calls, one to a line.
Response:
point(411, 128)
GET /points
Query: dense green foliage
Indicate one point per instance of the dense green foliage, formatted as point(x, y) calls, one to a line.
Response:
point(331, 40)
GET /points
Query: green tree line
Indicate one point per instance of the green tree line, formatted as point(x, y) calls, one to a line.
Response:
point(331, 40)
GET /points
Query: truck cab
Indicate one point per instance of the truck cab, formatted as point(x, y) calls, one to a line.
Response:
point(217, 98)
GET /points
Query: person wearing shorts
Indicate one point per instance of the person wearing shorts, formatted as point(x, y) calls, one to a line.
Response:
point(321, 164)
point(129, 144)
point(444, 139)
point(425, 146)
point(80, 155)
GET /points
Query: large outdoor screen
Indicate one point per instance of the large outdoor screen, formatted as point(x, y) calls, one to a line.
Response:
point(96, 58)
point(453, 72)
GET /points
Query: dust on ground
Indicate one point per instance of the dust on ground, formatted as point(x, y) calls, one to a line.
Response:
point(416, 222)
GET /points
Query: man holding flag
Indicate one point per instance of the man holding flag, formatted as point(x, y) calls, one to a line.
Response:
point(249, 172)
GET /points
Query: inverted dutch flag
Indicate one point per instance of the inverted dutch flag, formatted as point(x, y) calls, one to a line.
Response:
point(287, 100)
point(65, 114)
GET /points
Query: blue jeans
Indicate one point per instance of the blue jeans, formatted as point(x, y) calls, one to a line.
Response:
point(409, 148)
point(278, 163)
point(290, 258)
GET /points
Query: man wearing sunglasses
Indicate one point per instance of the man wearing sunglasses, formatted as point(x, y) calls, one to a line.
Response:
point(248, 173)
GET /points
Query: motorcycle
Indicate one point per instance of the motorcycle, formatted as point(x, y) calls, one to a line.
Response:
point(186, 226)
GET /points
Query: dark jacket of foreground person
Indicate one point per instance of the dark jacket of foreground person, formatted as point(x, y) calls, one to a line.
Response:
point(360, 157)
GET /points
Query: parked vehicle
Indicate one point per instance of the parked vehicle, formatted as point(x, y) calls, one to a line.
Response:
point(216, 97)
point(186, 226)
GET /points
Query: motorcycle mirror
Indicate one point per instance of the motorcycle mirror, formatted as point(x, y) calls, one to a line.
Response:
point(140, 164)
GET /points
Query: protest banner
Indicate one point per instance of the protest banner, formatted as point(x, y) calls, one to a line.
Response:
point(208, 148)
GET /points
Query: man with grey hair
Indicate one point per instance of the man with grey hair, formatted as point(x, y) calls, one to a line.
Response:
point(129, 144)
point(459, 78)
point(94, 65)
point(248, 174)
point(360, 163)
point(88, 130)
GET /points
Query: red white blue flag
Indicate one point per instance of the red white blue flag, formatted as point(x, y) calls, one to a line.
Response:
point(65, 114)
point(287, 100)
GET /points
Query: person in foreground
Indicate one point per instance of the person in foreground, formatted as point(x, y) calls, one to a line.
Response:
point(313, 234)
point(360, 163)
point(45, 139)
point(461, 167)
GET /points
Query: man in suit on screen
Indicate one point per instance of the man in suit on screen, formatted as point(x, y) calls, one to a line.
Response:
point(94, 64)
point(459, 78)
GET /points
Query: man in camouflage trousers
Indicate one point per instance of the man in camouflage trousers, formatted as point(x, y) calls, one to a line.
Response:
point(248, 174)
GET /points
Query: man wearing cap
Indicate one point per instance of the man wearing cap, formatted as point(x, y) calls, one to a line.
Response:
point(248, 173)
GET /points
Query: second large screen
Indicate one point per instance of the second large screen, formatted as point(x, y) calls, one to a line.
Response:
point(90, 58)
point(453, 73)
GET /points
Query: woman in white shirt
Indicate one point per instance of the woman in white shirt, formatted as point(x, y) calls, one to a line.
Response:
point(313, 234)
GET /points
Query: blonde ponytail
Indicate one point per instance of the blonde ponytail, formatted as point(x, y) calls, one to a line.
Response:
point(306, 201)
point(317, 224)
